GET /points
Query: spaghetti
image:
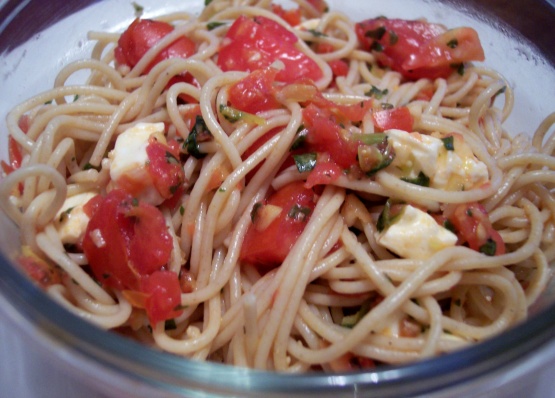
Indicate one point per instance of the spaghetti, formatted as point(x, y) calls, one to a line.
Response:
point(412, 222)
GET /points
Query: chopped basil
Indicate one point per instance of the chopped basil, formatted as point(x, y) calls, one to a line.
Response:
point(254, 211)
point(422, 179)
point(76, 97)
point(234, 115)
point(138, 8)
point(221, 190)
point(393, 38)
point(453, 43)
point(449, 143)
point(66, 213)
point(135, 202)
point(180, 307)
point(500, 91)
point(89, 166)
point(206, 2)
point(489, 248)
point(199, 133)
point(174, 188)
point(299, 213)
point(170, 324)
point(370, 139)
point(317, 33)
point(350, 321)
point(387, 106)
point(387, 217)
point(305, 162)
point(376, 92)
point(214, 25)
point(181, 210)
point(459, 68)
point(448, 225)
point(170, 158)
point(301, 138)
point(376, 34)
point(49, 102)
point(376, 46)
point(457, 302)
point(376, 153)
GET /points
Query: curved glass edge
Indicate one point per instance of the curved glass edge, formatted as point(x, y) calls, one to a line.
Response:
point(139, 363)
point(17, 13)
point(532, 20)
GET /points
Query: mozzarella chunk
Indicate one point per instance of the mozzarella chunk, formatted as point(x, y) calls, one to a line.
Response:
point(450, 170)
point(71, 221)
point(416, 235)
point(129, 159)
point(414, 152)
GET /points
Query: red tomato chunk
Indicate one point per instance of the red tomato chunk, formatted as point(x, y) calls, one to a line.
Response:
point(267, 247)
point(142, 35)
point(252, 44)
point(418, 49)
point(127, 243)
point(473, 227)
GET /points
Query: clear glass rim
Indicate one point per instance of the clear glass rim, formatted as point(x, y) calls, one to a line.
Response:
point(169, 372)
point(172, 373)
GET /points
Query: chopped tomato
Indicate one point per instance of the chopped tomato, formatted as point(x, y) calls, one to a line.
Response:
point(38, 269)
point(255, 93)
point(325, 172)
point(339, 67)
point(142, 35)
point(163, 295)
point(472, 225)
point(126, 241)
point(268, 247)
point(325, 136)
point(164, 167)
point(396, 118)
point(319, 5)
point(350, 362)
point(292, 16)
point(418, 49)
point(14, 151)
point(256, 43)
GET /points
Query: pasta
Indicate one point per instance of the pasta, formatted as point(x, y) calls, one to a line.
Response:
point(420, 227)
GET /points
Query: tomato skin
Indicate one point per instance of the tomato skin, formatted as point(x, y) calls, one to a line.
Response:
point(256, 43)
point(143, 34)
point(268, 248)
point(164, 167)
point(396, 118)
point(418, 49)
point(473, 226)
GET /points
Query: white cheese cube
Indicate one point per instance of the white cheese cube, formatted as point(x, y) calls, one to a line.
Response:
point(414, 152)
point(450, 170)
point(129, 159)
point(71, 221)
point(416, 235)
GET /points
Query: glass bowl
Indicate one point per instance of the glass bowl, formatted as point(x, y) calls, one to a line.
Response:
point(47, 352)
